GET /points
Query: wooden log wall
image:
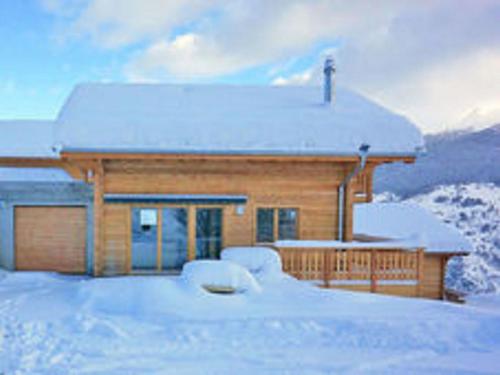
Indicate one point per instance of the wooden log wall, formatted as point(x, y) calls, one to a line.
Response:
point(310, 187)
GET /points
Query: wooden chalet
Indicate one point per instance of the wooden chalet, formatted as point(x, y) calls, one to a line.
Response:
point(163, 174)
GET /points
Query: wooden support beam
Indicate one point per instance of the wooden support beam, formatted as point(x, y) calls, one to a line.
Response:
point(128, 258)
point(373, 271)
point(16, 162)
point(74, 171)
point(199, 156)
point(191, 233)
point(348, 216)
point(420, 272)
point(98, 173)
point(442, 289)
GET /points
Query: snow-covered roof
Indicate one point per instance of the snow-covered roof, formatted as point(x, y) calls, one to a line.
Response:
point(27, 138)
point(408, 222)
point(229, 120)
point(34, 174)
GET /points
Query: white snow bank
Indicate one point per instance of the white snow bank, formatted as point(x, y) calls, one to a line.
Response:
point(48, 326)
point(219, 274)
point(487, 302)
point(130, 295)
point(260, 261)
point(408, 222)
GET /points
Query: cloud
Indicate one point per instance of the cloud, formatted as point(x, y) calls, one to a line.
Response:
point(118, 23)
point(249, 34)
point(432, 60)
point(303, 78)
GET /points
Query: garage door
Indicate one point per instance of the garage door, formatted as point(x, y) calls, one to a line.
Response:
point(50, 238)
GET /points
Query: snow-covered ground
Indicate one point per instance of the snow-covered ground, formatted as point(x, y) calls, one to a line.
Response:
point(52, 324)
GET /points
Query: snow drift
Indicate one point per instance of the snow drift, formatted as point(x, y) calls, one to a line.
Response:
point(219, 274)
point(262, 262)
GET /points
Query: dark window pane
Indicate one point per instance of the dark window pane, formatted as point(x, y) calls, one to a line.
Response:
point(208, 233)
point(265, 225)
point(144, 238)
point(174, 238)
point(287, 224)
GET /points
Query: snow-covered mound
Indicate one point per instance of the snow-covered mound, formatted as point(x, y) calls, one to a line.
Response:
point(52, 325)
point(474, 209)
point(223, 274)
point(128, 296)
point(260, 261)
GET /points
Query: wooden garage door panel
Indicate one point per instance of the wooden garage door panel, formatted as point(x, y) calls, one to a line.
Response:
point(50, 238)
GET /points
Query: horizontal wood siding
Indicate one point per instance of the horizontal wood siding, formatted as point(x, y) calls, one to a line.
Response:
point(310, 187)
point(393, 290)
point(433, 277)
point(398, 290)
point(116, 258)
point(51, 239)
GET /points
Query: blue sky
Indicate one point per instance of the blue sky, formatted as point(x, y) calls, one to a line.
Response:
point(434, 62)
point(37, 70)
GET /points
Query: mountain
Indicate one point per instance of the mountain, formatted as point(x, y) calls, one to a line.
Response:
point(458, 179)
point(474, 209)
point(451, 158)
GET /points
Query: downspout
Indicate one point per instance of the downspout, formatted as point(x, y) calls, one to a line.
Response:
point(363, 154)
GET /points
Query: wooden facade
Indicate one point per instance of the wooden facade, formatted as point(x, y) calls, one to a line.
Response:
point(306, 184)
point(309, 187)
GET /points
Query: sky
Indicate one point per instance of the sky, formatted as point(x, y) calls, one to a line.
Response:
point(435, 61)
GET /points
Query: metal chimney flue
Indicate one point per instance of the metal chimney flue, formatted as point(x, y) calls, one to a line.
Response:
point(329, 81)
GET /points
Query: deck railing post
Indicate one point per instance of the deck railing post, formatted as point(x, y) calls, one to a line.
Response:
point(420, 271)
point(326, 268)
point(373, 271)
point(349, 264)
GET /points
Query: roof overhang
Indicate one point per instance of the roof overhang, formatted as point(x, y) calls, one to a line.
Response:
point(81, 154)
point(30, 162)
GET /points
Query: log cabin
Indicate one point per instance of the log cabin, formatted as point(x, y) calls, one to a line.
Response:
point(156, 175)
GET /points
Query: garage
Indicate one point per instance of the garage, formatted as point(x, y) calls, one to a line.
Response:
point(50, 238)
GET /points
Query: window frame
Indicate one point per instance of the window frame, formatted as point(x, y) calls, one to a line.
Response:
point(275, 209)
point(191, 216)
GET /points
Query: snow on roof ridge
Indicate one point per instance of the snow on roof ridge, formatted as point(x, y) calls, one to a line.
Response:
point(221, 117)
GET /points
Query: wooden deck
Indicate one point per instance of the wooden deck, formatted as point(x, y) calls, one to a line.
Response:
point(375, 270)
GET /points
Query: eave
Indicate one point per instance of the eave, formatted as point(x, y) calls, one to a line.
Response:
point(232, 155)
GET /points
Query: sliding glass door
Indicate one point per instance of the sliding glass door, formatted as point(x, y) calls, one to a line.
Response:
point(160, 236)
point(144, 238)
point(174, 238)
point(208, 233)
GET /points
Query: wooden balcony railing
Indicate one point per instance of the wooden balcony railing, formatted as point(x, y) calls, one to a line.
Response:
point(329, 265)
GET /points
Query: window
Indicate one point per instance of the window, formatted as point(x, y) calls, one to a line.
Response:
point(208, 233)
point(265, 225)
point(276, 224)
point(287, 224)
